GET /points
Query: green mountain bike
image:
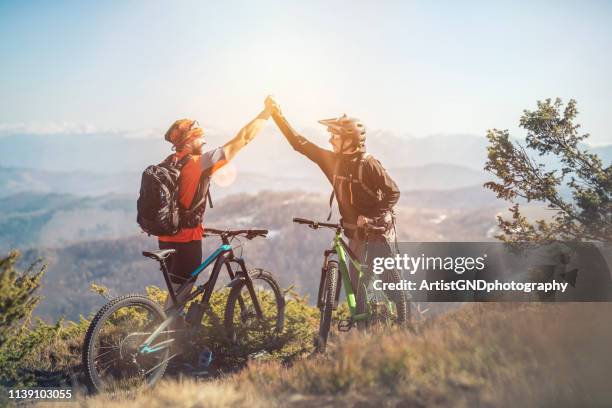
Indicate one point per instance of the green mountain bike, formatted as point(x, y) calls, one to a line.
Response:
point(132, 338)
point(366, 305)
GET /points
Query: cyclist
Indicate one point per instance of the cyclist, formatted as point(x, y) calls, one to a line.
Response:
point(187, 138)
point(365, 192)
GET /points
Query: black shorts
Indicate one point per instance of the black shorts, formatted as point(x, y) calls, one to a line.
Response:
point(187, 258)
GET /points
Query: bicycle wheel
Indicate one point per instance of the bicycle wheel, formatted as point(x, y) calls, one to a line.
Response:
point(329, 295)
point(110, 350)
point(385, 308)
point(242, 325)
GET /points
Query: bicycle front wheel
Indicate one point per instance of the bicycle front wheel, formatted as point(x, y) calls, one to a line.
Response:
point(111, 355)
point(329, 298)
point(242, 324)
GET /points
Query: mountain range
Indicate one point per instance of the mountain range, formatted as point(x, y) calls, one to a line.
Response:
point(435, 176)
point(268, 155)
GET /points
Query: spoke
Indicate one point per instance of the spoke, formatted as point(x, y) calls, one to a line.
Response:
point(163, 344)
point(140, 333)
point(158, 365)
point(103, 354)
point(106, 364)
point(108, 347)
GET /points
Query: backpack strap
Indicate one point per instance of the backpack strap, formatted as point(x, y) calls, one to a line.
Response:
point(331, 203)
point(365, 188)
point(179, 164)
point(210, 204)
point(333, 192)
point(172, 161)
point(206, 196)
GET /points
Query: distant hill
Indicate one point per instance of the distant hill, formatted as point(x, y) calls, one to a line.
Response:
point(30, 219)
point(14, 180)
point(471, 197)
point(292, 252)
point(51, 219)
point(435, 176)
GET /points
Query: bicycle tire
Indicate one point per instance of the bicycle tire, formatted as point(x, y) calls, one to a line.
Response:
point(95, 381)
point(261, 278)
point(401, 302)
point(329, 295)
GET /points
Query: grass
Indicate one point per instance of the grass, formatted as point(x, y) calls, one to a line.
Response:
point(50, 355)
point(479, 355)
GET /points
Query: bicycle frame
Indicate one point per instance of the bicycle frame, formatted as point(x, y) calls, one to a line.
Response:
point(224, 255)
point(345, 255)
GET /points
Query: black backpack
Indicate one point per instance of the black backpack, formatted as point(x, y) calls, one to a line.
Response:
point(351, 179)
point(158, 205)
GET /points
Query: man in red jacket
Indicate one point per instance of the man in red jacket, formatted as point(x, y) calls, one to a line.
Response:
point(187, 138)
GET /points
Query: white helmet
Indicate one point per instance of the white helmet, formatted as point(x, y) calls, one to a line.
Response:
point(346, 127)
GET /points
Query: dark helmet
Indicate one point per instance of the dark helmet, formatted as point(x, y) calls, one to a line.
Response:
point(346, 127)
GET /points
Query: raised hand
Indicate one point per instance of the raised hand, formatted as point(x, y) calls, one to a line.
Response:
point(272, 105)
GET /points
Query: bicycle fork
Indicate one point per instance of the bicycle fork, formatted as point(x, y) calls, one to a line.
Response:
point(249, 284)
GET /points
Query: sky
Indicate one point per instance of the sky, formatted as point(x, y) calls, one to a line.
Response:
point(414, 68)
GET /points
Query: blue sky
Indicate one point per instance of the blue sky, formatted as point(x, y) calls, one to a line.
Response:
point(417, 68)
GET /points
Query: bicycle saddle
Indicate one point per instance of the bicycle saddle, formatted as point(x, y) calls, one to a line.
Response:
point(159, 255)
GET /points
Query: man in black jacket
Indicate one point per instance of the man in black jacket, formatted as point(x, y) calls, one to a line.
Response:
point(365, 192)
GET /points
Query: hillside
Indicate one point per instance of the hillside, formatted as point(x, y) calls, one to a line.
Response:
point(31, 219)
point(292, 252)
point(486, 355)
point(19, 180)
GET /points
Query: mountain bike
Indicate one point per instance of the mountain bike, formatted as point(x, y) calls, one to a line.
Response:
point(366, 305)
point(132, 338)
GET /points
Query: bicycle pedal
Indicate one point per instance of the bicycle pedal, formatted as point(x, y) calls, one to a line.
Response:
point(345, 325)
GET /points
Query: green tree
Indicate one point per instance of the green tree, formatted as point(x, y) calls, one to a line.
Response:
point(17, 301)
point(551, 130)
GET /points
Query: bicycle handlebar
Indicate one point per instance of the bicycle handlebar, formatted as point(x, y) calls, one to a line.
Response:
point(248, 233)
point(316, 225)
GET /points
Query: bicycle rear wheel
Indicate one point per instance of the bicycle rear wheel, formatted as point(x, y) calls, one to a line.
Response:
point(110, 350)
point(242, 324)
point(385, 308)
point(329, 297)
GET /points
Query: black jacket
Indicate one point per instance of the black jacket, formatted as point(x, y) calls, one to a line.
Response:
point(373, 198)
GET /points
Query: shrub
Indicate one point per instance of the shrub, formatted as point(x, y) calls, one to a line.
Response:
point(17, 301)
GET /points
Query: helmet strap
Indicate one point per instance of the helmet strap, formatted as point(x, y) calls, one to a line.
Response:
point(354, 148)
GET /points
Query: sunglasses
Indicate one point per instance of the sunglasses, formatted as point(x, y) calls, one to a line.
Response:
point(194, 125)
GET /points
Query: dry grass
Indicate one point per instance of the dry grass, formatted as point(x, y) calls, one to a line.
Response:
point(183, 393)
point(480, 355)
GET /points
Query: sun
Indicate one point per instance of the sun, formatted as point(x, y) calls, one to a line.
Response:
point(225, 176)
